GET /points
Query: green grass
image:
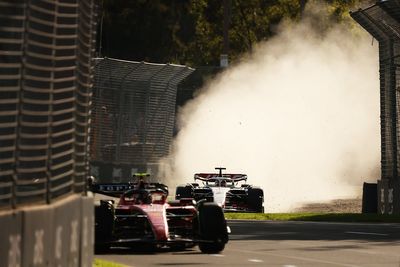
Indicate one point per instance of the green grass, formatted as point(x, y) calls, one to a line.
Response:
point(103, 263)
point(321, 217)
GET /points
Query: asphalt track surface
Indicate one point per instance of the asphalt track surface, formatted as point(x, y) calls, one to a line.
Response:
point(284, 244)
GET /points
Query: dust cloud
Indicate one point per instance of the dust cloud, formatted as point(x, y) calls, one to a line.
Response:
point(299, 116)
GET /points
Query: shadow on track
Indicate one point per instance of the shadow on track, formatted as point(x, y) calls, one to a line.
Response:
point(292, 230)
point(150, 250)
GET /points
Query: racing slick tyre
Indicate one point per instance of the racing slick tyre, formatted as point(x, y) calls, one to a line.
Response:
point(212, 228)
point(184, 192)
point(163, 187)
point(255, 199)
point(104, 225)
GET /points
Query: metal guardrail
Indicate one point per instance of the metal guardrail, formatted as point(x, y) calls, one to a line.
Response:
point(45, 88)
point(133, 111)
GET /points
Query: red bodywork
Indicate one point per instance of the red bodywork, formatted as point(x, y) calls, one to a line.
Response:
point(153, 219)
point(144, 216)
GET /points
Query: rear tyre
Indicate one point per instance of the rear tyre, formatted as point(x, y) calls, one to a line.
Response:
point(163, 187)
point(184, 192)
point(212, 248)
point(104, 225)
point(212, 228)
point(255, 199)
point(101, 248)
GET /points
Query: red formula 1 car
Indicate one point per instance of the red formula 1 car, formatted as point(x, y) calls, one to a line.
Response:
point(224, 190)
point(144, 217)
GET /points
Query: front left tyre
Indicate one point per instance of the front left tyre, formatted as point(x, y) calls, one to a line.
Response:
point(212, 228)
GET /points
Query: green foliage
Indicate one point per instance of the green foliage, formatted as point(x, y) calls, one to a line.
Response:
point(191, 32)
point(145, 30)
point(251, 21)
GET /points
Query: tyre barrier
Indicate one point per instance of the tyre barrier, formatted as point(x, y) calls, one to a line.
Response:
point(388, 196)
point(60, 234)
point(370, 198)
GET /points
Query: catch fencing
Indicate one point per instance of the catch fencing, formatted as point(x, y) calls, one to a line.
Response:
point(45, 88)
point(382, 21)
point(46, 71)
point(133, 115)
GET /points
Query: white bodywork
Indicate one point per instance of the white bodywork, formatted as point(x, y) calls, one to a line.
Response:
point(219, 194)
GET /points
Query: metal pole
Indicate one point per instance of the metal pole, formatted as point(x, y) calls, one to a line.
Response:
point(393, 109)
point(101, 28)
point(227, 20)
point(224, 58)
point(302, 7)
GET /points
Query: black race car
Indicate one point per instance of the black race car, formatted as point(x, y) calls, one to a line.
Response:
point(224, 189)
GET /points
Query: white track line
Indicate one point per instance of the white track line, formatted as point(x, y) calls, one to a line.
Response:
point(255, 260)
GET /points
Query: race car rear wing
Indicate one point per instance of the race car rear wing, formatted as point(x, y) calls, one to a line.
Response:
point(112, 189)
point(117, 189)
point(210, 177)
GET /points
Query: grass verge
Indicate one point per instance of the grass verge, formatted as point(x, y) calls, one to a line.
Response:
point(320, 217)
point(103, 263)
